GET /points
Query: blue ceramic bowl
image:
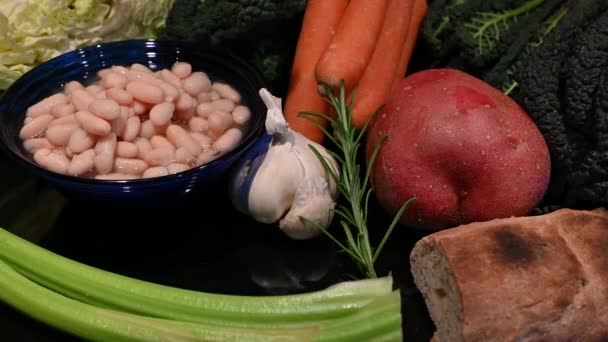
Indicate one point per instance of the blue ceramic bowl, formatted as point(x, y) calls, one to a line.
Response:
point(82, 65)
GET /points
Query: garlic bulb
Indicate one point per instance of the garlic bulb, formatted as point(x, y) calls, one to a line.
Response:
point(284, 181)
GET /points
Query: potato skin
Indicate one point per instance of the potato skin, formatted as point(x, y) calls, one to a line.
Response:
point(463, 149)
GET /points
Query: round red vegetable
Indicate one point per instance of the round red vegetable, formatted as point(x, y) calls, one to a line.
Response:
point(463, 149)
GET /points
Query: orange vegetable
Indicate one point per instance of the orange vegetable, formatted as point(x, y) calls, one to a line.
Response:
point(321, 20)
point(376, 83)
point(351, 48)
point(419, 10)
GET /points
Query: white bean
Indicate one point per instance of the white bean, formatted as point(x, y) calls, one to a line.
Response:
point(203, 97)
point(104, 163)
point(119, 124)
point(206, 156)
point(81, 99)
point(32, 145)
point(143, 147)
point(130, 166)
point(61, 110)
point(227, 92)
point(59, 135)
point(71, 86)
point(197, 124)
point(145, 92)
point(107, 144)
point(93, 89)
point(219, 122)
point(93, 124)
point(125, 149)
point(132, 128)
point(146, 129)
point(121, 96)
point(52, 160)
point(241, 115)
point(160, 156)
point(174, 168)
point(105, 109)
point(36, 126)
point(82, 163)
point(228, 141)
point(101, 95)
point(197, 83)
point(68, 119)
point(171, 93)
point(170, 78)
point(157, 81)
point(139, 108)
point(214, 95)
point(119, 69)
point(140, 67)
point(182, 155)
point(80, 140)
point(162, 113)
point(181, 69)
point(103, 72)
point(136, 75)
point(184, 102)
point(157, 171)
point(44, 107)
point(202, 139)
point(180, 138)
point(115, 176)
point(204, 109)
point(223, 105)
point(158, 141)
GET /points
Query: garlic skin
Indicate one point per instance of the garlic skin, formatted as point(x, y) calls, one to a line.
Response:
point(312, 201)
point(286, 181)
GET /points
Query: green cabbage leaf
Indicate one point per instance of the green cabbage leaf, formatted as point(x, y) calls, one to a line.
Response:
point(33, 31)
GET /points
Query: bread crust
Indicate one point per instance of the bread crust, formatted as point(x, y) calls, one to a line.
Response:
point(539, 278)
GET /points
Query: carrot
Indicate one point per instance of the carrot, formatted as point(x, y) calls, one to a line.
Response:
point(351, 48)
point(377, 80)
point(320, 22)
point(418, 13)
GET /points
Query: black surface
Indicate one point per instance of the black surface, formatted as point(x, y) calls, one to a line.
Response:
point(207, 247)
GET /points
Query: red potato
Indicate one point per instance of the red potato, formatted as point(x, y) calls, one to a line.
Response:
point(463, 149)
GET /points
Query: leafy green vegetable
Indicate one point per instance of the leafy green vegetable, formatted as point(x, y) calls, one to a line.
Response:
point(487, 28)
point(263, 32)
point(489, 39)
point(100, 305)
point(563, 87)
point(33, 31)
point(355, 189)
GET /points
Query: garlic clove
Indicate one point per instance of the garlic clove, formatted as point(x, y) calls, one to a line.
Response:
point(312, 201)
point(275, 184)
point(244, 173)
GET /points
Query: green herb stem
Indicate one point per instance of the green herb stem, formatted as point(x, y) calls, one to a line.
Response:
point(355, 190)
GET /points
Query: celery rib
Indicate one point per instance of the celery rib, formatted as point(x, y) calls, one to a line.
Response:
point(98, 324)
point(92, 301)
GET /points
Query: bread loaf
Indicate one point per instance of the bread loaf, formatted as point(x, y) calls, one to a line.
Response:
point(540, 278)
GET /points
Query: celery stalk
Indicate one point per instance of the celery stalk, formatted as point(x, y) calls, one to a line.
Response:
point(99, 324)
point(112, 306)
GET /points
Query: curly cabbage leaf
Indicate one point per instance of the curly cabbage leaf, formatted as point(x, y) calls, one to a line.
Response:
point(33, 31)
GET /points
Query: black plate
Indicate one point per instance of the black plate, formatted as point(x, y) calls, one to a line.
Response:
point(216, 250)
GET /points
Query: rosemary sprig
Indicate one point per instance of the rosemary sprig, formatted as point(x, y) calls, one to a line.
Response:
point(355, 189)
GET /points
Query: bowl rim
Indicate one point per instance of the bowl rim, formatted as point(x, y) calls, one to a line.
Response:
point(255, 132)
